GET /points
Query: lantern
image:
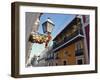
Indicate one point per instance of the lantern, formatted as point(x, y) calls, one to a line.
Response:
point(48, 26)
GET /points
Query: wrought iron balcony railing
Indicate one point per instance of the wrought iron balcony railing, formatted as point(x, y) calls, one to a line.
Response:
point(67, 38)
point(79, 52)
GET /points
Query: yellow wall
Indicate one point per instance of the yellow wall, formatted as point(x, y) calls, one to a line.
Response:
point(70, 57)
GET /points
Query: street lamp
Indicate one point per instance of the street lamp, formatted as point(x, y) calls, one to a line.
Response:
point(48, 26)
point(47, 29)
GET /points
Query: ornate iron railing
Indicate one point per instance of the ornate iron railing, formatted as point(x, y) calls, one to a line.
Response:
point(67, 38)
point(79, 52)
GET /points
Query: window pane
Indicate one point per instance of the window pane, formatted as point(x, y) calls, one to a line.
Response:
point(79, 61)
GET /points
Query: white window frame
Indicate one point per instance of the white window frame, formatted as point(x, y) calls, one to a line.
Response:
point(80, 57)
point(77, 43)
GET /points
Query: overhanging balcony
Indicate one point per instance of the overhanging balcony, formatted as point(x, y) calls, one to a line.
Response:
point(74, 36)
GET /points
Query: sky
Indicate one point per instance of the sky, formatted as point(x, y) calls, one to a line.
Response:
point(60, 21)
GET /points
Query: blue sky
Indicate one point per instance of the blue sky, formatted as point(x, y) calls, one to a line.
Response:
point(60, 21)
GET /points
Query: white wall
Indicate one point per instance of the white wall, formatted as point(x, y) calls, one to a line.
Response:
point(5, 40)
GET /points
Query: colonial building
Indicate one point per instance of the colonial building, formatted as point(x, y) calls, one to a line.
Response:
point(44, 59)
point(49, 57)
point(71, 45)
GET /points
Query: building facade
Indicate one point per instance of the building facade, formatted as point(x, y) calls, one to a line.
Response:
point(32, 24)
point(49, 57)
point(71, 45)
point(44, 57)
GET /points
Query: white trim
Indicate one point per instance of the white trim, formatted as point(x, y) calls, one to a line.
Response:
point(79, 35)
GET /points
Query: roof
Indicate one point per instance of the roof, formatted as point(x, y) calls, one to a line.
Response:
point(50, 21)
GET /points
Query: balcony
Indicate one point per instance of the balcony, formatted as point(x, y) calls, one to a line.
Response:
point(70, 38)
point(79, 52)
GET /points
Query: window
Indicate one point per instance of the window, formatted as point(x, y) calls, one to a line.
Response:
point(79, 48)
point(78, 45)
point(64, 62)
point(79, 62)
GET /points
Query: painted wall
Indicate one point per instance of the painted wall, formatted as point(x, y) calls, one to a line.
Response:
point(68, 54)
point(69, 57)
point(31, 18)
